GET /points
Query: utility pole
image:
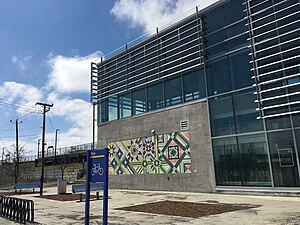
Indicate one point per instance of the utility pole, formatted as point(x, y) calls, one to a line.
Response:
point(55, 146)
point(17, 170)
point(46, 109)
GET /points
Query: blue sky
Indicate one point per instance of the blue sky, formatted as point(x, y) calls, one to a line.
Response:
point(46, 48)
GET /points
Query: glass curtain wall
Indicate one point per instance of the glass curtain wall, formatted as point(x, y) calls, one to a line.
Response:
point(208, 56)
point(275, 49)
point(241, 161)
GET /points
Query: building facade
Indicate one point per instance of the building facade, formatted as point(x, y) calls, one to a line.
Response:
point(209, 103)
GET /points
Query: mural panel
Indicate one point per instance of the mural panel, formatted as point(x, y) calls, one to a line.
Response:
point(157, 154)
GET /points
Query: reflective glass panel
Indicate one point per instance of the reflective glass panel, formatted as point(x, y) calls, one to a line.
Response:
point(124, 106)
point(246, 115)
point(155, 96)
point(139, 101)
point(296, 120)
point(278, 123)
point(194, 85)
point(227, 162)
point(173, 92)
point(102, 112)
point(254, 160)
point(240, 69)
point(112, 108)
point(283, 157)
point(214, 20)
point(218, 76)
point(221, 115)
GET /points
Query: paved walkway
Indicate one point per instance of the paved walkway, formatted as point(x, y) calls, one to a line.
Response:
point(271, 210)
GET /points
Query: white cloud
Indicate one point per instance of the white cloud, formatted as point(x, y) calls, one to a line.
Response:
point(70, 75)
point(23, 96)
point(78, 113)
point(150, 14)
point(22, 62)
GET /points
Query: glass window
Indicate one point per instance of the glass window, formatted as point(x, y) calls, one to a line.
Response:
point(240, 67)
point(254, 160)
point(124, 105)
point(283, 157)
point(296, 121)
point(112, 108)
point(221, 115)
point(227, 162)
point(214, 20)
point(194, 85)
point(102, 112)
point(139, 101)
point(155, 96)
point(239, 11)
point(236, 29)
point(293, 80)
point(297, 136)
point(216, 50)
point(278, 123)
point(214, 38)
point(173, 92)
point(245, 112)
point(218, 76)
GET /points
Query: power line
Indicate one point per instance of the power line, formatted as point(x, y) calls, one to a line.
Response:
point(21, 107)
point(51, 122)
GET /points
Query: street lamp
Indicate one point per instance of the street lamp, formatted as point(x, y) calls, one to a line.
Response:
point(38, 153)
point(55, 146)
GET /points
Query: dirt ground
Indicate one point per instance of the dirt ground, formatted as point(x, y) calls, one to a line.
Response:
point(184, 209)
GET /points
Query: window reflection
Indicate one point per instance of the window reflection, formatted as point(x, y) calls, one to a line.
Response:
point(221, 115)
point(284, 161)
point(155, 97)
point(241, 162)
point(245, 113)
point(173, 91)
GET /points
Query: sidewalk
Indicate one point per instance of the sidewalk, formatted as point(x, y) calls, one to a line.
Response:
point(270, 210)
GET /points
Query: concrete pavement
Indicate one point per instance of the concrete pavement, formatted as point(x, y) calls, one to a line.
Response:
point(270, 210)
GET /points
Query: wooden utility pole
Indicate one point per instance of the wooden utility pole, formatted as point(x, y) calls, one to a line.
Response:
point(46, 109)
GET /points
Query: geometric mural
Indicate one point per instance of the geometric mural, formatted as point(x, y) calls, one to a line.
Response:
point(157, 154)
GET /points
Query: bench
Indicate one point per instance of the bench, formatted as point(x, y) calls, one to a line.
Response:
point(20, 186)
point(80, 188)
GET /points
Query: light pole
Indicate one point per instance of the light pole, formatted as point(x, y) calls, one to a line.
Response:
point(55, 146)
point(17, 169)
point(38, 153)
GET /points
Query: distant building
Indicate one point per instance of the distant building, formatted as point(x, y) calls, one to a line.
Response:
point(210, 103)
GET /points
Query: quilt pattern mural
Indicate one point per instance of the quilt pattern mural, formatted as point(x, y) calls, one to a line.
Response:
point(157, 154)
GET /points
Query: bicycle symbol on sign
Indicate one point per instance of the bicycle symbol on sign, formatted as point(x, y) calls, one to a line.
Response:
point(97, 169)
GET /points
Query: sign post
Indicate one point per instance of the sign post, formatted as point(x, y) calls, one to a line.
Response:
point(97, 171)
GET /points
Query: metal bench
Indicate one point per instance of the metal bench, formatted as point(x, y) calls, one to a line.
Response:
point(80, 188)
point(32, 185)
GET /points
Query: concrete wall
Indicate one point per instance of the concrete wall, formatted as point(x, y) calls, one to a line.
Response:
point(69, 174)
point(165, 121)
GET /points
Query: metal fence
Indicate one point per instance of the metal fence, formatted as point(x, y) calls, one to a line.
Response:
point(17, 209)
point(60, 151)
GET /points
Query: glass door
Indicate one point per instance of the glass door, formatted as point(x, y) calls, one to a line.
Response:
point(284, 159)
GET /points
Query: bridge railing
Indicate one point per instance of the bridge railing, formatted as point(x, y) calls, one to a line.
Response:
point(59, 151)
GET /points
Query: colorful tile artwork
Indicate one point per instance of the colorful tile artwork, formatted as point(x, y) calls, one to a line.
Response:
point(165, 153)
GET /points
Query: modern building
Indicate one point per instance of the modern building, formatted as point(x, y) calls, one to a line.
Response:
point(210, 103)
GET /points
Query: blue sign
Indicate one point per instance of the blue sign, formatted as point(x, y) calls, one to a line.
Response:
point(97, 171)
point(98, 162)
